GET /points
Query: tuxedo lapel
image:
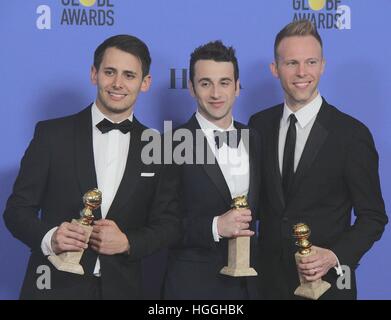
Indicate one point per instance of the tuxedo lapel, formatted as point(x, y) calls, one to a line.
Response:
point(249, 143)
point(275, 167)
point(212, 170)
point(132, 170)
point(84, 154)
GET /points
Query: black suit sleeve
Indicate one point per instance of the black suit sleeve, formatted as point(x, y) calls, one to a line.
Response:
point(22, 209)
point(198, 232)
point(196, 228)
point(362, 179)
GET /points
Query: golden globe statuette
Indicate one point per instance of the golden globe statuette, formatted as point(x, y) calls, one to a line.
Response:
point(239, 249)
point(70, 261)
point(307, 289)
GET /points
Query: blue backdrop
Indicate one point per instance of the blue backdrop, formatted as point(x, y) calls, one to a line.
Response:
point(46, 54)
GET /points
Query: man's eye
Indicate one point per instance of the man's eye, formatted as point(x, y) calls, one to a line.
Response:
point(204, 84)
point(109, 72)
point(130, 76)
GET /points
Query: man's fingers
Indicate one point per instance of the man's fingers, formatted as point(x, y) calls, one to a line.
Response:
point(96, 229)
point(75, 243)
point(94, 242)
point(242, 226)
point(74, 228)
point(309, 266)
point(243, 218)
point(95, 248)
point(73, 246)
point(310, 259)
point(243, 233)
point(96, 236)
point(65, 235)
point(310, 272)
point(103, 222)
point(243, 212)
point(69, 237)
point(313, 277)
point(76, 236)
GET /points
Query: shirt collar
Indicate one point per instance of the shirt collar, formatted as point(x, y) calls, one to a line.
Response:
point(98, 116)
point(206, 125)
point(305, 114)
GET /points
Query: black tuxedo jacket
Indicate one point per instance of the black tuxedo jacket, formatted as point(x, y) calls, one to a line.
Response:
point(56, 170)
point(194, 264)
point(338, 171)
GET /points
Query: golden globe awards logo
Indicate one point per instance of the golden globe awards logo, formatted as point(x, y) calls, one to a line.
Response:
point(87, 12)
point(324, 14)
point(78, 13)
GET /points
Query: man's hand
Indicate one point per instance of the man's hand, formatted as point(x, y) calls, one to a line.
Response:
point(68, 237)
point(107, 238)
point(234, 223)
point(317, 265)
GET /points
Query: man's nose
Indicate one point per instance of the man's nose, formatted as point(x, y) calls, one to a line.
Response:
point(215, 92)
point(117, 82)
point(301, 69)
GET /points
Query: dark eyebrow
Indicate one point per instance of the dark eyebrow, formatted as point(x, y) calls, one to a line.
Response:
point(205, 79)
point(209, 80)
point(126, 71)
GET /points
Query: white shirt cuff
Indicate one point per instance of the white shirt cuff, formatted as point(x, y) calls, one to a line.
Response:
point(216, 235)
point(46, 244)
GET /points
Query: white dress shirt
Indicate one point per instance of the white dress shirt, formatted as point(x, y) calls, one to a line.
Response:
point(233, 162)
point(110, 157)
point(305, 120)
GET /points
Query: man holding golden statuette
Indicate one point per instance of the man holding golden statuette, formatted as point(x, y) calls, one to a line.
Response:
point(222, 166)
point(69, 261)
point(307, 289)
point(239, 248)
point(320, 165)
point(98, 147)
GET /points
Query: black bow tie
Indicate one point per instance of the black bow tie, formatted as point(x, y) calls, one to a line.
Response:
point(230, 138)
point(105, 126)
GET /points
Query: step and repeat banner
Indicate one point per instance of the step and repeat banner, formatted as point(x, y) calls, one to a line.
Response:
point(47, 51)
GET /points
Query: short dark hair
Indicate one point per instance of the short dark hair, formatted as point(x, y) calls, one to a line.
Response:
point(297, 28)
point(216, 51)
point(127, 43)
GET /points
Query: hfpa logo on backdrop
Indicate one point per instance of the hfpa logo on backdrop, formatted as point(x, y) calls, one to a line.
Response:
point(324, 14)
point(77, 13)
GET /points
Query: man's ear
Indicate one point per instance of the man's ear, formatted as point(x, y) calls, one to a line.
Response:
point(323, 65)
point(94, 75)
point(146, 83)
point(274, 69)
point(191, 88)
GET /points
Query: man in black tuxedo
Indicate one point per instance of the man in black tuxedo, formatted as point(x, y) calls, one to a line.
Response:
point(220, 167)
point(98, 147)
point(318, 164)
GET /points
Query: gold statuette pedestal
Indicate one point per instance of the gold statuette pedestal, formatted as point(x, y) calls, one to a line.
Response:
point(239, 249)
point(70, 261)
point(307, 289)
